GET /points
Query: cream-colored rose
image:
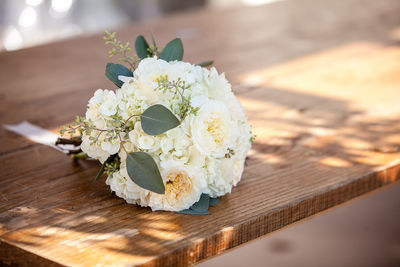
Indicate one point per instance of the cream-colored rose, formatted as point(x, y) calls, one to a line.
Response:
point(218, 88)
point(212, 129)
point(183, 188)
point(151, 69)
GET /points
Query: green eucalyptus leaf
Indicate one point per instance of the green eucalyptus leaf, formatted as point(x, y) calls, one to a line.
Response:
point(206, 63)
point(173, 51)
point(141, 47)
point(114, 70)
point(157, 119)
point(143, 171)
point(213, 201)
point(201, 205)
point(193, 212)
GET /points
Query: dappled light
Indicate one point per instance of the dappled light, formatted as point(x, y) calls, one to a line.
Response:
point(307, 120)
point(329, 105)
point(325, 113)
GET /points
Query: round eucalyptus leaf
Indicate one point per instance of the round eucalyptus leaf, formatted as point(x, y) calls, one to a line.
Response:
point(173, 50)
point(114, 70)
point(157, 119)
point(143, 171)
point(141, 47)
point(206, 63)
point(201, 205)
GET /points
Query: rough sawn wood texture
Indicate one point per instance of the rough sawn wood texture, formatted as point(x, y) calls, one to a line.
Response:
point(320, 83)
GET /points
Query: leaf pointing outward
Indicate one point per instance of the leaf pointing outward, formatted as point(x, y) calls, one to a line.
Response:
point(213, 201)
point(206, 63)
point(193, 212)
point(157, 119)
point(144, 172)
point(114, 70)
point(200, 207)
point(173, 50)
point(141, 47)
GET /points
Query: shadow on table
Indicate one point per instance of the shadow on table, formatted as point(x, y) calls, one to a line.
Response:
point(301, 137)
point(320, 121)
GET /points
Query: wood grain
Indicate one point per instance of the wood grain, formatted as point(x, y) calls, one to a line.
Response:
point(320, 83)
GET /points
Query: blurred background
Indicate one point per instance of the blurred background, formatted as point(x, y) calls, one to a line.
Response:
point(363, 233)
point(25, 23)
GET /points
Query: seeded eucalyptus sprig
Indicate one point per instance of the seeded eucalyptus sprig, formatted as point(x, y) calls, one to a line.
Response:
point(177, 88)
point(119, 48)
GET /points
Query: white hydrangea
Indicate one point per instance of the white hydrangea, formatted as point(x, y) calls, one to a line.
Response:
point(204, 154)
point(142, 140)
point(93, 150)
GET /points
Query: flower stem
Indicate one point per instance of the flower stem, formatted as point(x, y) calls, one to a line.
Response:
point(75, 140)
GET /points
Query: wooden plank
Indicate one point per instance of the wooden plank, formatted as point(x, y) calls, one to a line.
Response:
point(322, 99)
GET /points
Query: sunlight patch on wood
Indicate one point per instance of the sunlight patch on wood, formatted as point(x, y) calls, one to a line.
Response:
point(350, 73)
point(162, 234)
point(111, 243)
point(335, 162)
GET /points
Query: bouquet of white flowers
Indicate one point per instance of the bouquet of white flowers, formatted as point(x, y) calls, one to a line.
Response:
point(172, 137)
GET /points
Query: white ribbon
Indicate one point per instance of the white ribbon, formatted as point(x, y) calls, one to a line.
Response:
point(38, 135)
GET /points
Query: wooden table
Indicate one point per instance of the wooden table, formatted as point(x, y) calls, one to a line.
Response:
point(321, 84)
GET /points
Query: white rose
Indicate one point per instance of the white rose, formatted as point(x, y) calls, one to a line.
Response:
point(220, 89)
point(225, 173)
point(150, 69)
point(212, 129)
point(145, 75)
